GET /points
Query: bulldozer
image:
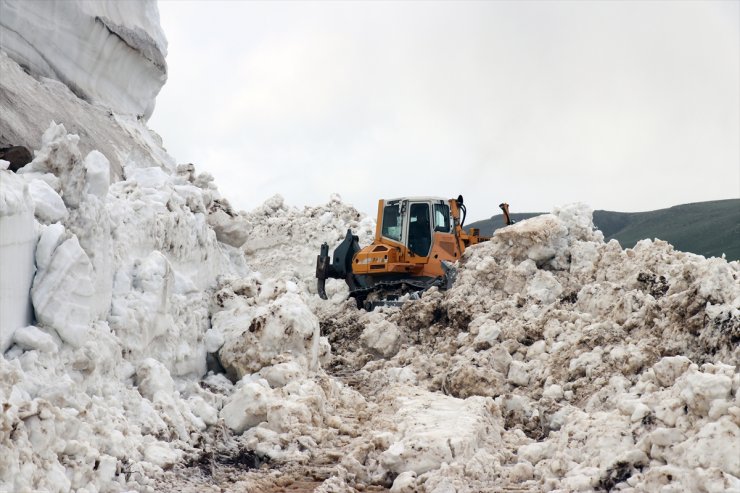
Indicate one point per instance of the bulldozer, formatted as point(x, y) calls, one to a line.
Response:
point(417, 241)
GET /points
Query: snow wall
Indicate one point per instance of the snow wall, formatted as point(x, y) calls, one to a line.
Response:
point(111, 53)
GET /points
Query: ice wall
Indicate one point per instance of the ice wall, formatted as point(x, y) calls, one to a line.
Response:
point(17, 246)
point(112, 53)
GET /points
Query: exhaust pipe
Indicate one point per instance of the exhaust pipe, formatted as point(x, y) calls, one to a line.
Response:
point(507, 218)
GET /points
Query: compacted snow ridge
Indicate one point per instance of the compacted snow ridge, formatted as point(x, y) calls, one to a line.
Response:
point(152, 338)
point(106, 52)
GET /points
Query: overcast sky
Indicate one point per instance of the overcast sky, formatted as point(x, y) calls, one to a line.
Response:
point(626, 106)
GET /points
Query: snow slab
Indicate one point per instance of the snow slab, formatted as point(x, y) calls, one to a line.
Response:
point(17, 248)
point(106, 52)
point(436, 429)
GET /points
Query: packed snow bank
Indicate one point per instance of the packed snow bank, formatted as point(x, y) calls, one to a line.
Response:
point(35, 103)
point(120, 276)
point(17, 248)
point(112, 53)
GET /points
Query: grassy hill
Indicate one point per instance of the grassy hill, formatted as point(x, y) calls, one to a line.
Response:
point(706, 228)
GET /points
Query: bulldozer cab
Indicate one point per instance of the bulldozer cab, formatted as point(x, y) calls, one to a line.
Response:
point(412, 222)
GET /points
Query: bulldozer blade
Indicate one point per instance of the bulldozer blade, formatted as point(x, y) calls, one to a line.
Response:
point(450, 274)
point(321, 288)
point(322, 270)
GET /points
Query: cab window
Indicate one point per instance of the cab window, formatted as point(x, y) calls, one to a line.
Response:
point(392, 221)
point(442, 218)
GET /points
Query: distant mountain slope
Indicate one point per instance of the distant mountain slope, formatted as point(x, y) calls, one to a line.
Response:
point(706, 228)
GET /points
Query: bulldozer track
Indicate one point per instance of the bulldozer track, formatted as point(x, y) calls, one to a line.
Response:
point(388, 289)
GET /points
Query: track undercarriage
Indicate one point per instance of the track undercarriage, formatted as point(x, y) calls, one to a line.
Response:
point(393, 293)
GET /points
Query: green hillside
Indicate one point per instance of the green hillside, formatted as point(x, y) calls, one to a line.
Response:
point(705, 228)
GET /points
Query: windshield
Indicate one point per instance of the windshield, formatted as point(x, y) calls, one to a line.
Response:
point(392, 221)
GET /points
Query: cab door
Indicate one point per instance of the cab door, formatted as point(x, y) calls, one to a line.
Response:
point(419, 231)
point(444, 244)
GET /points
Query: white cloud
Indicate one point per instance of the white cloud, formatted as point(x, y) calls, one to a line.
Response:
point(627, 106)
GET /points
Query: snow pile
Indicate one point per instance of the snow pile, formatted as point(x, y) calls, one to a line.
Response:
point(262, 325)
point(555, 362)
point(111, 53)
point(152, 338)
point(119, 278)
point(132, 296)
point(607, 368)
point(283, 241)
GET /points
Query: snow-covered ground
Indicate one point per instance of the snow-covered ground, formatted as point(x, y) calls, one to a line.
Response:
point(154, 339)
